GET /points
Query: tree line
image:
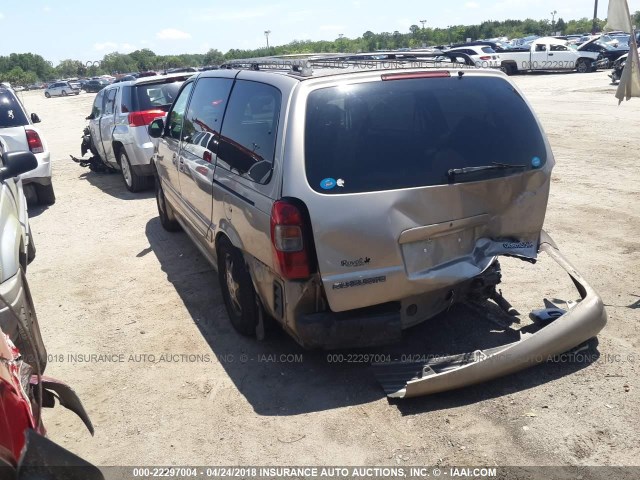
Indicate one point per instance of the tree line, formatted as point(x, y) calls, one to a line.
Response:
point(28, 68)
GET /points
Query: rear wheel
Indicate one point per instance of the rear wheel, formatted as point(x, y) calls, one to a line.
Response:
point(237, 289)
point(165, 212)
point(133, 181)
point(64, 93)
point(46, 195)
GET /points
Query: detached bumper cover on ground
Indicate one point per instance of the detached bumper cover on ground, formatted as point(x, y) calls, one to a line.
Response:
point(577, 325)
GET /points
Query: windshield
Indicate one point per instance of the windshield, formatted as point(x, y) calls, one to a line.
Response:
point(11, 112)
point(407, 133)
point(604, 45)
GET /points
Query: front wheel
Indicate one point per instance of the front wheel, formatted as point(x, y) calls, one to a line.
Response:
point(237, 289)
point(47, 94)
point(507, 69)
point(583, 65)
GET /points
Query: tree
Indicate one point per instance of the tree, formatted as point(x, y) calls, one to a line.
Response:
point(561, 25)
point(213, 57)
point(70, 68)
point(145, 59)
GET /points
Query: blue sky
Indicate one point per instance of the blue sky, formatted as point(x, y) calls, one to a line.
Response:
point(88, 30)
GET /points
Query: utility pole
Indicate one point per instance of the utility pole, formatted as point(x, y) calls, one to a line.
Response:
point(266, 34)
point(423, 22)
point(595, 19)
point(553, 22)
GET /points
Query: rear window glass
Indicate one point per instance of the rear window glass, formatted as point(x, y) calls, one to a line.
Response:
point(408, 133)
point(155, 96)
point(11, 113)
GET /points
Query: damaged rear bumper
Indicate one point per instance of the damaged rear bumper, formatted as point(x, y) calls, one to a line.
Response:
point(580, 323)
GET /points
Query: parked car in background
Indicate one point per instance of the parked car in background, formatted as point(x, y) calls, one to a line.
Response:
point(94, 86)
point(604, 49)
point(125, 78)
point(118, 124)
point(147, 74)
point(548, 54)
point(19, 133)
point(181, 70)
point(63, 89)
point(17, 250)
point(482, 55)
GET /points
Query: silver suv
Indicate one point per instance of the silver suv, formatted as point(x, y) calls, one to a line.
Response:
point(351, 202)
point(57, 89)
point(118, 125)
point(17, 250)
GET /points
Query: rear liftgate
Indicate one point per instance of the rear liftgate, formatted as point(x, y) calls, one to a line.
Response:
point(580, 323)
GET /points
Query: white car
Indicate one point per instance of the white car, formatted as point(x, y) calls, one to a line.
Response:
point(483, 56)
point(63, 89)
point(19, 134)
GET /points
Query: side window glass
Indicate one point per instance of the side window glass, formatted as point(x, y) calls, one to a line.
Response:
point(97, 104)
point(248, 139)
point(110, 101)
point(201, 130)
point(176, 115)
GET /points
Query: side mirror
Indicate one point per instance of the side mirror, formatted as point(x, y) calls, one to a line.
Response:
point(90, 117)
point(156, 128)
point(35, 118)
point(17, 163)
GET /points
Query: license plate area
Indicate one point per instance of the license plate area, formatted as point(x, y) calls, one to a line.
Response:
point(425, 248)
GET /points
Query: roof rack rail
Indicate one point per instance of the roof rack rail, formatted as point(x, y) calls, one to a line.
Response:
point(303, 64)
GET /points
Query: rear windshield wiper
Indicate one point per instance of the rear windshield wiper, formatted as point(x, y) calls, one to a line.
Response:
point(455, 173)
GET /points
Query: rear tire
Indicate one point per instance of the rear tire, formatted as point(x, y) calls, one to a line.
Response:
point(133, 181)
point(64, 93)
point(165, 212)
point(237, 289)
point(46, 195)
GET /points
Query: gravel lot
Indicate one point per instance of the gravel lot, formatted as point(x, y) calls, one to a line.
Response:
point(108, 280)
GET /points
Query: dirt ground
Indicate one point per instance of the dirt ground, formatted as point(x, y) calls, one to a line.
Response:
point(181, 387)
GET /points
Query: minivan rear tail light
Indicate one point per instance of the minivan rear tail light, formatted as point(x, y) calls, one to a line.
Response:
point(409, 76)
point(287, 237)
point(141, 119)
point(33, 139)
